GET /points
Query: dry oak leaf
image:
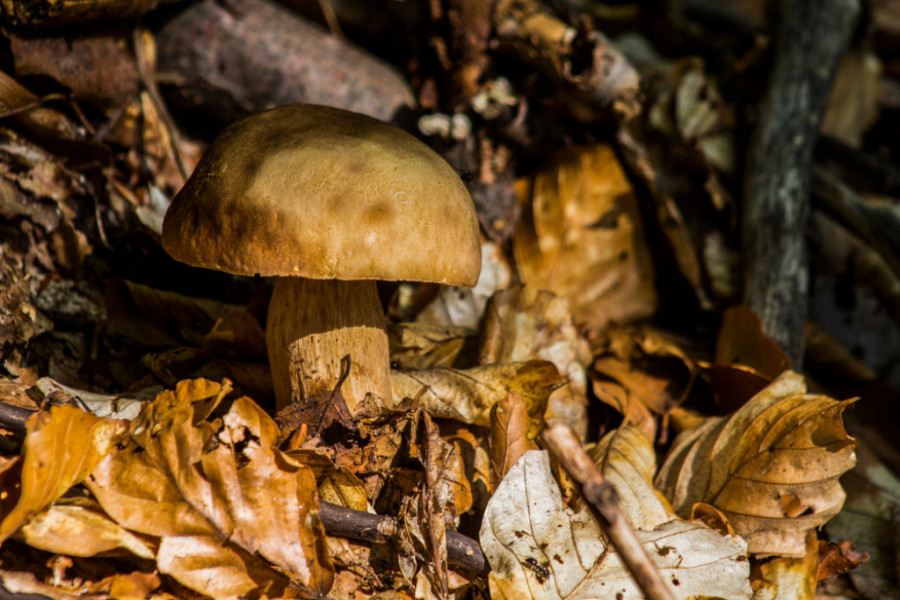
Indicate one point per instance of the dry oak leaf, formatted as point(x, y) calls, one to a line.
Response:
point(62, 446)
point(772, 467)
point(234, 515)
point(539, 548)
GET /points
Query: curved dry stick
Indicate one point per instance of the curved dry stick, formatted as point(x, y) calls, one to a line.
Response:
point(602, 495)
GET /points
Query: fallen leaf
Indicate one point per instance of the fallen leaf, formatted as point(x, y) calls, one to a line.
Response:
point(640, 374)
point(539, 548)
point(418, 346)
point(522, 324)
point(580, 215)
point(788, 577)
point(77, 530)
point(62, 446)
point(837, 559)
point(741, 341)
point(464, 307)
point(468, 395)
point(219, 495)
point(772, 467)
point(509, 436)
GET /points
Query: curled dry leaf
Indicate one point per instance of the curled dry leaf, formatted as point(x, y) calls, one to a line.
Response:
point(76, 530)
point(224, 501)
point(640, 374)
point(772, 467)
point(468, 395)
point(524, 324)
point(419, 346)
point(580, 215)
point(509, 436)
point(62, 446)
point(539, 548)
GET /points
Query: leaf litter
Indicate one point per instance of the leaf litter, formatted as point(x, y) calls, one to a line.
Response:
point(201, 493)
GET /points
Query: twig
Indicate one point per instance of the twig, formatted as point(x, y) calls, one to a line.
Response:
point(602, 495)
point(463, 553)
point(811, 37)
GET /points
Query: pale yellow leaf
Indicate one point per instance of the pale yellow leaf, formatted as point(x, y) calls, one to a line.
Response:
point(772, 467)
point(468, 395)
point(80, 531)
point(539, 548)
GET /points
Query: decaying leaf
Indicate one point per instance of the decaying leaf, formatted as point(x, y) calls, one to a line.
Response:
point(418, 346)
point(218, 494)
point(788, 577)
point(772, 467)
point(579, 216)
point(509, 436)
point(742, 341)
point(62, 447)
point(468, 395)
point(640, 374)
point(522, 324)
point(539, 548)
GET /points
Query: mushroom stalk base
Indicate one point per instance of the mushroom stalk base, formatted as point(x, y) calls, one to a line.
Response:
point(312, 325)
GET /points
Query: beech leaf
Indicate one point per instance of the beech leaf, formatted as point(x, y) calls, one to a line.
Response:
point(772, 467)
point(62, 446)
point(220, 488)
point(539, 548)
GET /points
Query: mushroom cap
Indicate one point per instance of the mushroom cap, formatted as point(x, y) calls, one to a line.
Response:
point(323, 193)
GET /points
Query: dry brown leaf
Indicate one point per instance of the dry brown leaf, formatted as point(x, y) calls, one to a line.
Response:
point(853, 106)
point(418, 346)
point(837, 559)
point(522, 324)
point(742, 341)
point(218, 488)
point(640, 374)
point(772, 467)
point(509, 436)
point(468, 395)
point(787, 577)
point(77, 530)
point(626, 458)
point(62, 446)
point(580, 215)
point(539, 548)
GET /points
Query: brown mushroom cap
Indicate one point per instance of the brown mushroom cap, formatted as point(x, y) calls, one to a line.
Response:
point(323, 193)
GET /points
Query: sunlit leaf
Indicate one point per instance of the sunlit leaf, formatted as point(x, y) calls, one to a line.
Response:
point(468, 395)
point(772, 467)
point(539, 548)
point(62, 446)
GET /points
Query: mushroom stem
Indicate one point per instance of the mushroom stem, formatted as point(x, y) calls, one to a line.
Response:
point(312, 324)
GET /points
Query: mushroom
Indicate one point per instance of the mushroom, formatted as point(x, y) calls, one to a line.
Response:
point(328, 201)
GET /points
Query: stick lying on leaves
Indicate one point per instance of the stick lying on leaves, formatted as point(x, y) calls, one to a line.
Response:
point(567, 449)
point(463, 553)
